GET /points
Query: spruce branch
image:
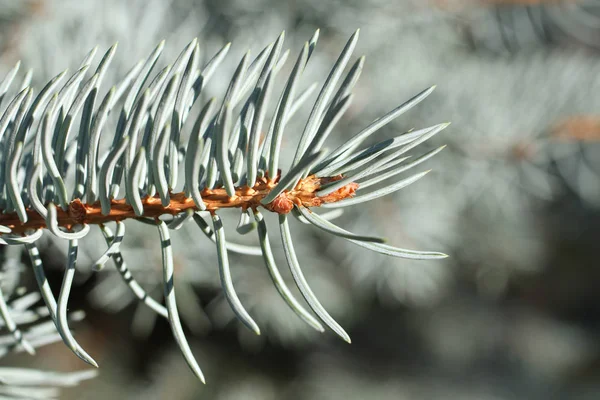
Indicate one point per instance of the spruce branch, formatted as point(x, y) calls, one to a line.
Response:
point(141, 151)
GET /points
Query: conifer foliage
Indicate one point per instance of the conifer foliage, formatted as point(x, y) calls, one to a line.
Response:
point(169, 160)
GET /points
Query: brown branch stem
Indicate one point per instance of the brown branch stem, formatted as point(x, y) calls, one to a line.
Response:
point(304, 194)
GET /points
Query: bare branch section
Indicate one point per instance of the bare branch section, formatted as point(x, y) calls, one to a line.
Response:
point(304, 194)
point(585, 128)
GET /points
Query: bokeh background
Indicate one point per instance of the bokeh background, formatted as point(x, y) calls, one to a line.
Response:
point(513, 313)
